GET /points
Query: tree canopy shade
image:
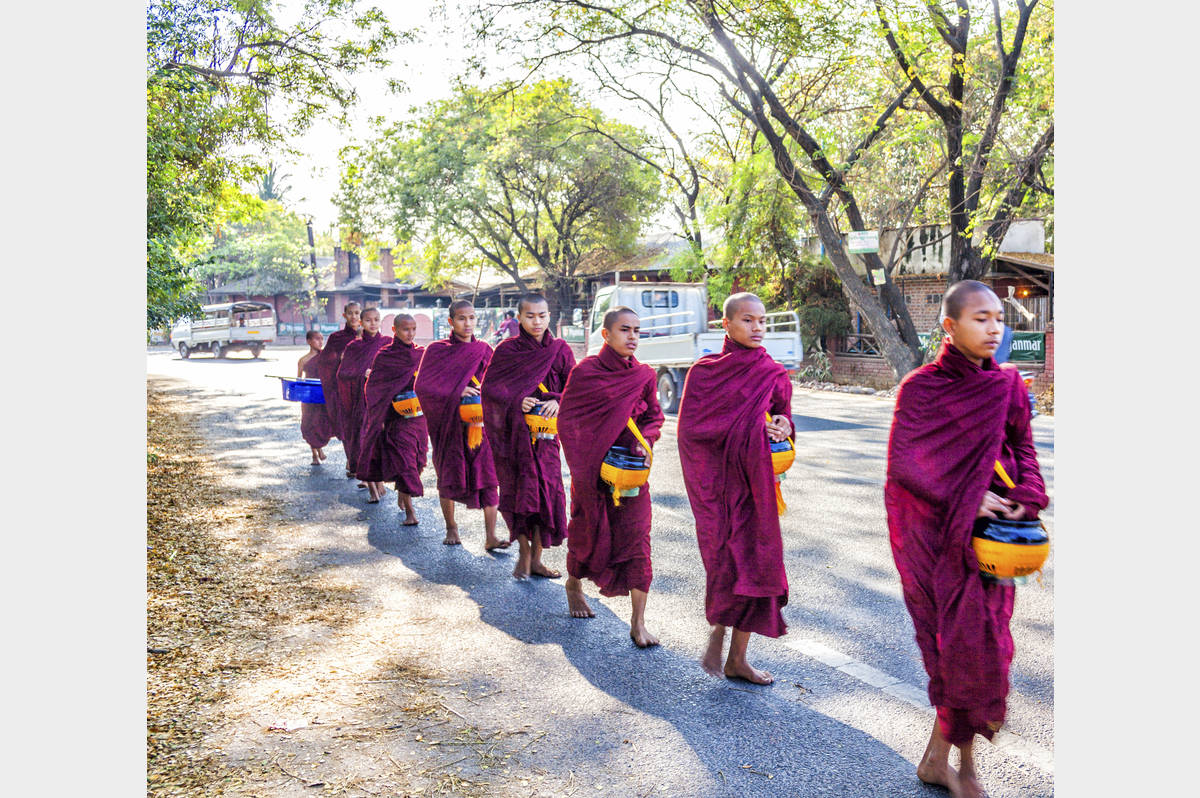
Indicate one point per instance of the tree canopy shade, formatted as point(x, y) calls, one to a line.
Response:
point(841, 93)
point(222, 73)
point(514, 177)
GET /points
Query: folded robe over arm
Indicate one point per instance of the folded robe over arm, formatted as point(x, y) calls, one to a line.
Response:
point(605, 543)
point(726, 460)
point(531, 485)
point(392, 448)
point(952, 421)
point(463, 475)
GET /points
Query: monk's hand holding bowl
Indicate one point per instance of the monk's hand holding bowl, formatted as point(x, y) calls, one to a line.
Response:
point(528, 403)
point(470, 390)
point(549, 408)
point(1016, 514)
point(993, 504)
point(779, 428)
point(637, 450)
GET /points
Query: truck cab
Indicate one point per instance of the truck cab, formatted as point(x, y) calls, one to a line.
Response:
point(676, 331)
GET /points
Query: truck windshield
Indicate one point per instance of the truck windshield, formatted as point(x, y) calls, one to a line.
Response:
point(603, 301)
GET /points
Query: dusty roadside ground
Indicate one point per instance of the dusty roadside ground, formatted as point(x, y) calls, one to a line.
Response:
point(265, 679)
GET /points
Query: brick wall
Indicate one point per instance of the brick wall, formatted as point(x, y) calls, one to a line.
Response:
point(873, 372)
point(923, 294)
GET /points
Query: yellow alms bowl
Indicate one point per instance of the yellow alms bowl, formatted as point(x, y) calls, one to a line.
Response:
point(407, 405)
point(471, 413)
point(782, 460)
point(542, 425)
point(1010, 560)
point(623, 479)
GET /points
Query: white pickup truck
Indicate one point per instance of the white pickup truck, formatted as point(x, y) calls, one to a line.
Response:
point(226, 327)
point(676, 331)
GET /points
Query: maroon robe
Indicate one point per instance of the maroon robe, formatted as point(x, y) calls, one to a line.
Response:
point(952, 421)
point(731, 484)
point(392, 448)
point(531, 485)
point(605, 543)
point(327, 366)
point(315, 426)
point(463, 475)
point(351, 379)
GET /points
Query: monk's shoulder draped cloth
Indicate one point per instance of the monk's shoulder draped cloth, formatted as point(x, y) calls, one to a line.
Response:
point(726, 460)
point(351, 379)
point(392, 448)
point(327, 366)
point(446, 369)
point(531, 487)
point(953, 419)
point(605, 543)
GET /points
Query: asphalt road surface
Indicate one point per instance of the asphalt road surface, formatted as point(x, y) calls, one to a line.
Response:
point(847, 714)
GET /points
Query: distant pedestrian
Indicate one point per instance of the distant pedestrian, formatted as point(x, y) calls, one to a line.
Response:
point(393, 447)
point(315, 426)
point(450, 372)
point(508, 328)
point(955, 418)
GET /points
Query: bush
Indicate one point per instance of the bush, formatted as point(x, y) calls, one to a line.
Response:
point(819, 368)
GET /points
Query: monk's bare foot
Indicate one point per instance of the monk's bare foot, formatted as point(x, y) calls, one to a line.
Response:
point(641, 637)
point(968, 787)
point(521, 569)
point(538, 569)
point(576, 602)
point(321, 454)
point(711, 661)
point(495, 543)
point(744, 670)
point(939, 775)
point(451, 538)
point(315, 461)
point(410, 520)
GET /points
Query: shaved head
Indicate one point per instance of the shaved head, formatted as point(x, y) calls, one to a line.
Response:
point(531, 298)
point(615, 314)
point(735, 301)
point(959, 294)
point(371, 310)
point(458, 305)
point(402, 317)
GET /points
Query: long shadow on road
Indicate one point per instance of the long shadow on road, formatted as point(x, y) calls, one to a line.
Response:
point(727, 726)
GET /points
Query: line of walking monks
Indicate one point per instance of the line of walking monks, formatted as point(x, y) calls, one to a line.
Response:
point(953, 418)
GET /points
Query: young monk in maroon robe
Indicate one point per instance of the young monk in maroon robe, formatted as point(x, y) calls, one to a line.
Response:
point(314, 422)
point(352, 379)
point(532, 499)
point(954, 419)
point(327, 366)
point(450, 370)
point(723, 444)
point(608, 543)
point(393, 447)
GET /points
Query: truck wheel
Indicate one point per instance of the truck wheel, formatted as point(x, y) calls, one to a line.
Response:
point(668, 392)
point(218, 350)
point(256, 349)
point(184, 351)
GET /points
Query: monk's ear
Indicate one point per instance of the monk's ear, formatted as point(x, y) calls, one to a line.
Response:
point(725, 324)
point(948, 326)
point(604, 334)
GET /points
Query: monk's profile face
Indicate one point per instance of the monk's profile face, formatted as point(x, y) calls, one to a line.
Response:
point(370, 321)
point(747, 323)
point(462, 324)
point(353, 316)
point(535, 318)
point(405, 330)
point(317, 341)
point(622, 337)
point(979, 327)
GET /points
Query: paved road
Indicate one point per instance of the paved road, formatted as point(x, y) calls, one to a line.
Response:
point(847, 715)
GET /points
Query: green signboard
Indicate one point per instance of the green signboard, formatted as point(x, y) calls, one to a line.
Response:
point(1028, 346)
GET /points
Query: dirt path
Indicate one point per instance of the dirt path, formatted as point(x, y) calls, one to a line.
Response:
point(267, 679)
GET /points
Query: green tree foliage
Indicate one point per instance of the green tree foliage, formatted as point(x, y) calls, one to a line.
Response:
point(223, 74)
point(260, 241)
point(872, 113)
point(514, 177)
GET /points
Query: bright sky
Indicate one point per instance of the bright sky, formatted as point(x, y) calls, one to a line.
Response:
point(426, 67)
